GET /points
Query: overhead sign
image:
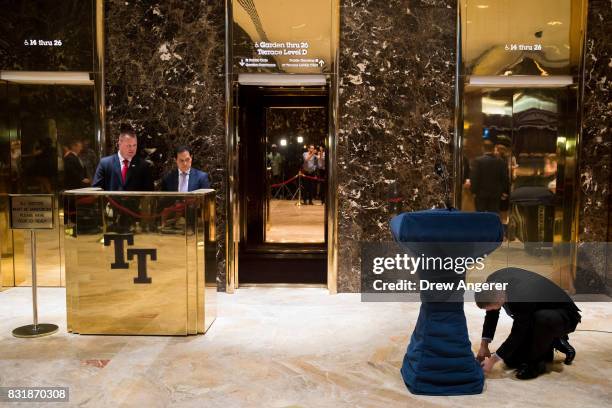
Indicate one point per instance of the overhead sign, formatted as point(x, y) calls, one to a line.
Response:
point(277, 36)
point(31, 211)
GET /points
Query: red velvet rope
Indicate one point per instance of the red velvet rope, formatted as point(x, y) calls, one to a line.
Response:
point(282, 183)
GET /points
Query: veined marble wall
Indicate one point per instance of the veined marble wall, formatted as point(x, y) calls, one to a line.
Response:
point(165, 76)
point(596, 153)
point(397, 73)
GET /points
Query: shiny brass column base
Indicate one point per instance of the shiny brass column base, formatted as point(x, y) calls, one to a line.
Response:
point(35, 330)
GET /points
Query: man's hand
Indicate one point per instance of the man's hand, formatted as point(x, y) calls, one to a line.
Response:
point(489, 363)
point(483, 352)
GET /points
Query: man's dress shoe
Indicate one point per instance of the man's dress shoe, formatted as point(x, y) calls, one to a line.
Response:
point(531, 370)
point(563, 346)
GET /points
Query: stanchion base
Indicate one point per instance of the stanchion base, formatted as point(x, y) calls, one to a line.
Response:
point(40, 330)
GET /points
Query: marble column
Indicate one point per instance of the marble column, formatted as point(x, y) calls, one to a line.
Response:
point(397, 73)
point(165, 76)
point(596, 153)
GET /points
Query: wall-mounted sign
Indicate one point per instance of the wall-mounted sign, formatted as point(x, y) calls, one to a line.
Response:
point(31, 211)
point(46, 35)
point(523, 47)
point(271, 36)
point(520, 37)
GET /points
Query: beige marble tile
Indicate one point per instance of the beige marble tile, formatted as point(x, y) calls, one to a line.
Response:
point(281, 347)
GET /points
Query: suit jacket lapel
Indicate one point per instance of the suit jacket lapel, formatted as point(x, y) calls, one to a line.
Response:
point(133, 163)
point(192, 180)
point(117, 168)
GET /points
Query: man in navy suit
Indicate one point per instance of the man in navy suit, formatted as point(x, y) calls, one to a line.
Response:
point(184, 178)
point(124, 171)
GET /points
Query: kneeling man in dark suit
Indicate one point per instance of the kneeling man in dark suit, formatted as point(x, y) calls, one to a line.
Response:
point(543, 316)
point(184, 178)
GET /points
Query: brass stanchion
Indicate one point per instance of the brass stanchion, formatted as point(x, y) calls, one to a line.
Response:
point(299, 203)
point(36, 329)
point(27, 211)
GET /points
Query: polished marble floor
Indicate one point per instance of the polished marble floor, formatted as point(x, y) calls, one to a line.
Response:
point(281, 347)
point(289, 222)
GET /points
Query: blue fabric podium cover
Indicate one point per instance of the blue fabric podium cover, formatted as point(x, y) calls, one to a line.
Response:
point(439, 359)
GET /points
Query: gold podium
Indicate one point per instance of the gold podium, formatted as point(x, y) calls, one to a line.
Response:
point(140, 263)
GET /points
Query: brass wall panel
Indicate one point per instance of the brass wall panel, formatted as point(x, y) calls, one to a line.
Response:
point(208, 262)
point(522, 37)
point(105, 300)
point(192, 252)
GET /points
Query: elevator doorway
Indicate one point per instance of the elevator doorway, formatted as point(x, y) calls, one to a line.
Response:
point(519, 90)
point(282, 161)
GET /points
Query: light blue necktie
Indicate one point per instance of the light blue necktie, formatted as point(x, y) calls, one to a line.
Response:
point(183, 182)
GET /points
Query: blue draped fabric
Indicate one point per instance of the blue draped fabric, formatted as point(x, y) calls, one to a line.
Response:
point(439, 359)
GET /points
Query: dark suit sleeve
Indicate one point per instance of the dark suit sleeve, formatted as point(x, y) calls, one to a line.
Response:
point(505, 177)
point(205, 181)
point(466, 168)
point(490, 324)
point(99, 177)
point(475, 177)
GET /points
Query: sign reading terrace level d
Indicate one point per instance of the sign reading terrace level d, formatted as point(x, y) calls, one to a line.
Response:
point(31, 211)
point(280, 36)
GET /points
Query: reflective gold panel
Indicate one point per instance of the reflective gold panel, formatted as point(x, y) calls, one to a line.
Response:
point(519, 87)
point(521, 37)
point(139, 263)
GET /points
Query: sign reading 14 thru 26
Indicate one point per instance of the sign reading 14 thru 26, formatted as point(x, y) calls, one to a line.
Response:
point(283, 55)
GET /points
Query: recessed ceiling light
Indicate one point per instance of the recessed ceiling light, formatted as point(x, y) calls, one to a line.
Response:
point(483, 6)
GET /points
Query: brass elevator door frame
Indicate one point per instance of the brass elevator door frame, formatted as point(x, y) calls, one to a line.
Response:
point(274, 27)
point(292, 261)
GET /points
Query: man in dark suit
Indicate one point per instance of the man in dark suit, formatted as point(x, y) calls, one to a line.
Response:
point(124, 171)
point(184, 178)
point(489, 180)
point(75, 174)
point(543, 316)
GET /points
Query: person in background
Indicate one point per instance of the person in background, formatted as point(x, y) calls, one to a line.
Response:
point(75, 174)
point(275, 161)
point(321, 173)
point(309, 168)
point(489, 180)
point(89, 158)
